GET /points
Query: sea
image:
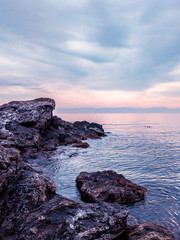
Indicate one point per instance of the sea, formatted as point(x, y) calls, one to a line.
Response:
point(145, 148)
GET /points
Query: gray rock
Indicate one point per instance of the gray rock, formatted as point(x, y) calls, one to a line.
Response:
point(108, 186)
point(61, 218)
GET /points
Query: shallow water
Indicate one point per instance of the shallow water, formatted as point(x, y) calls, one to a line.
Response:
point(145, 148)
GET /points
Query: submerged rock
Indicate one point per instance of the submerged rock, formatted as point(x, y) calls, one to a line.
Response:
point(148, 231)
point(61, 218)
point(108, 186)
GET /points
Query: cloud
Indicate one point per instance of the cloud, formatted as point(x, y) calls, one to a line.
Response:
point(99, 48)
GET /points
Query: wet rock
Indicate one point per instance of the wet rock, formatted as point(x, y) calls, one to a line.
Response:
point(81, 145)
point(108, 186)
point(148, 231)
point(61, 218)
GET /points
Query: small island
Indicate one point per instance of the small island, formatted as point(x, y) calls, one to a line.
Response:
point(30, 208)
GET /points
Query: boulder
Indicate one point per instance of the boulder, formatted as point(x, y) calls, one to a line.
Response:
point(34, 113)
point(108, 186)
point(22, 122)
point(61, 218)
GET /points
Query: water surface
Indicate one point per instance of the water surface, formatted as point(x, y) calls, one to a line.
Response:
point(145, 148)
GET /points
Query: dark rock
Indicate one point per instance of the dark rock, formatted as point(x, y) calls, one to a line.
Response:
point(90, 130)
point(34, 113)
point(148, 231)
point(81, 145)
point(82, 125)
point(58, 123)
point(22, 190)
point(22, 123)
point(61, 218)
point(108, 186)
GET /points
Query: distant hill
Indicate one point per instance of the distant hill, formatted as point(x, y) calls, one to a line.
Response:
point(118, 110)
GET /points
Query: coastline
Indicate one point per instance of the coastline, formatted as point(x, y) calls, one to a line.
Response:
point(27, 129)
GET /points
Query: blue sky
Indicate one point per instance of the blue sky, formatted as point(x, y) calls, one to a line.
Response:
point(91, 53)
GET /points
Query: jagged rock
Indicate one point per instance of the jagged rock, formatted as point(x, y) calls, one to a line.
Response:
point(23, 122)
point(22, 190)
point(58, 123)
point(61, 218)
point(89, 130)
point(108, 186)
point(148, 231)
point(33, 113)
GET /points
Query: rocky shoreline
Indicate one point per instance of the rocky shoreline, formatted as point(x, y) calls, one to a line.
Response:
point(29, 205)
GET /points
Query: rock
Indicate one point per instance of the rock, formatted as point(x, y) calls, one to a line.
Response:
point(65, 133)
point(131, 220)
point(23, 122)
point(33, 113)
point(108, 186)
point(81, 145)
point(97, 130)
point(89, 130)
point(61, 218)
point(148, 231)
point(22, 190)
point(29, 205)
point(59, 123)
point(82, 125)
point(27, 129)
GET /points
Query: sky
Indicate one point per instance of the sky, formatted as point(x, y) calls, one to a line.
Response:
point(91, 53)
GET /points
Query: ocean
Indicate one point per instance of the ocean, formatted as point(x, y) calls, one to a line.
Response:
point(145, 148)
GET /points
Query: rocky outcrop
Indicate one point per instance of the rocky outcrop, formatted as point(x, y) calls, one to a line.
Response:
point(61, 218)
point(108, 186)
point(148, 231)
point(22, 188)
point(23, 123)
point(61, 132)
point(29, 205)
point(26, 129)
point(29, 126)
point(22, 191)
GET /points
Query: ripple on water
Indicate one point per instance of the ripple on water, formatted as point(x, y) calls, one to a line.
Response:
point(146, 156)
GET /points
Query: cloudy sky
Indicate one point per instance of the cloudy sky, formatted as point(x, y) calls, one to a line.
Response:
point(91, 53)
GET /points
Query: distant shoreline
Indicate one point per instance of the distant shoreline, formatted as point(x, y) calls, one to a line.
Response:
point(117, 110)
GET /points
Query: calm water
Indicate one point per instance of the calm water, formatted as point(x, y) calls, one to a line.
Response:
point(146, 155)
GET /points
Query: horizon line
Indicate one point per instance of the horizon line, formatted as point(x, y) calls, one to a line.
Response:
point(118, 110)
